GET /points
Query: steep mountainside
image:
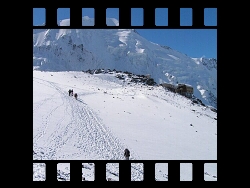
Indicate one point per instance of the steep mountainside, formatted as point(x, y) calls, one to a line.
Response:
point(124, 50)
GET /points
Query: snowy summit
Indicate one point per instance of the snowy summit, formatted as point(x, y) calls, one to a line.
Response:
point(125, 50)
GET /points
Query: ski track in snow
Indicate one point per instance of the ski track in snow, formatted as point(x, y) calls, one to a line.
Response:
point(85, 131)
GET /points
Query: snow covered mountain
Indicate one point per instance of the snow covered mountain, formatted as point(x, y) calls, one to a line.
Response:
point(123, 50)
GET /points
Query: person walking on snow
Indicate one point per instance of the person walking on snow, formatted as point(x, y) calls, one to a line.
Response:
point(126, 154)
point(75, 95)
point(70, 92)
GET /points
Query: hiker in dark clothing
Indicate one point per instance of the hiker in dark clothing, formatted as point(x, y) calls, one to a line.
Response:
point(126, 154)
point(70, 92)
point(75, 95)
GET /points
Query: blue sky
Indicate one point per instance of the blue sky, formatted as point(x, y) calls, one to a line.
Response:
point(192, 42)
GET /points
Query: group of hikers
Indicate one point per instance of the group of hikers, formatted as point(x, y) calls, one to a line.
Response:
point(71, 93)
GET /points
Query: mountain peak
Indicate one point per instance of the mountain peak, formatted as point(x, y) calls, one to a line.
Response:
point(124, 50)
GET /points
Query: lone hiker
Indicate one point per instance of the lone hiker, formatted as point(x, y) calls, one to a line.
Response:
point(75, 95)
point(126, 154)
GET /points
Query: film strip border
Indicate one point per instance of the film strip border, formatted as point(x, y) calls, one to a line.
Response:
point(125, 169)
point(125, 18)
point(125, 22)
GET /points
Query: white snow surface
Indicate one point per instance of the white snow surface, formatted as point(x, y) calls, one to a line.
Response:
point(112, 114)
